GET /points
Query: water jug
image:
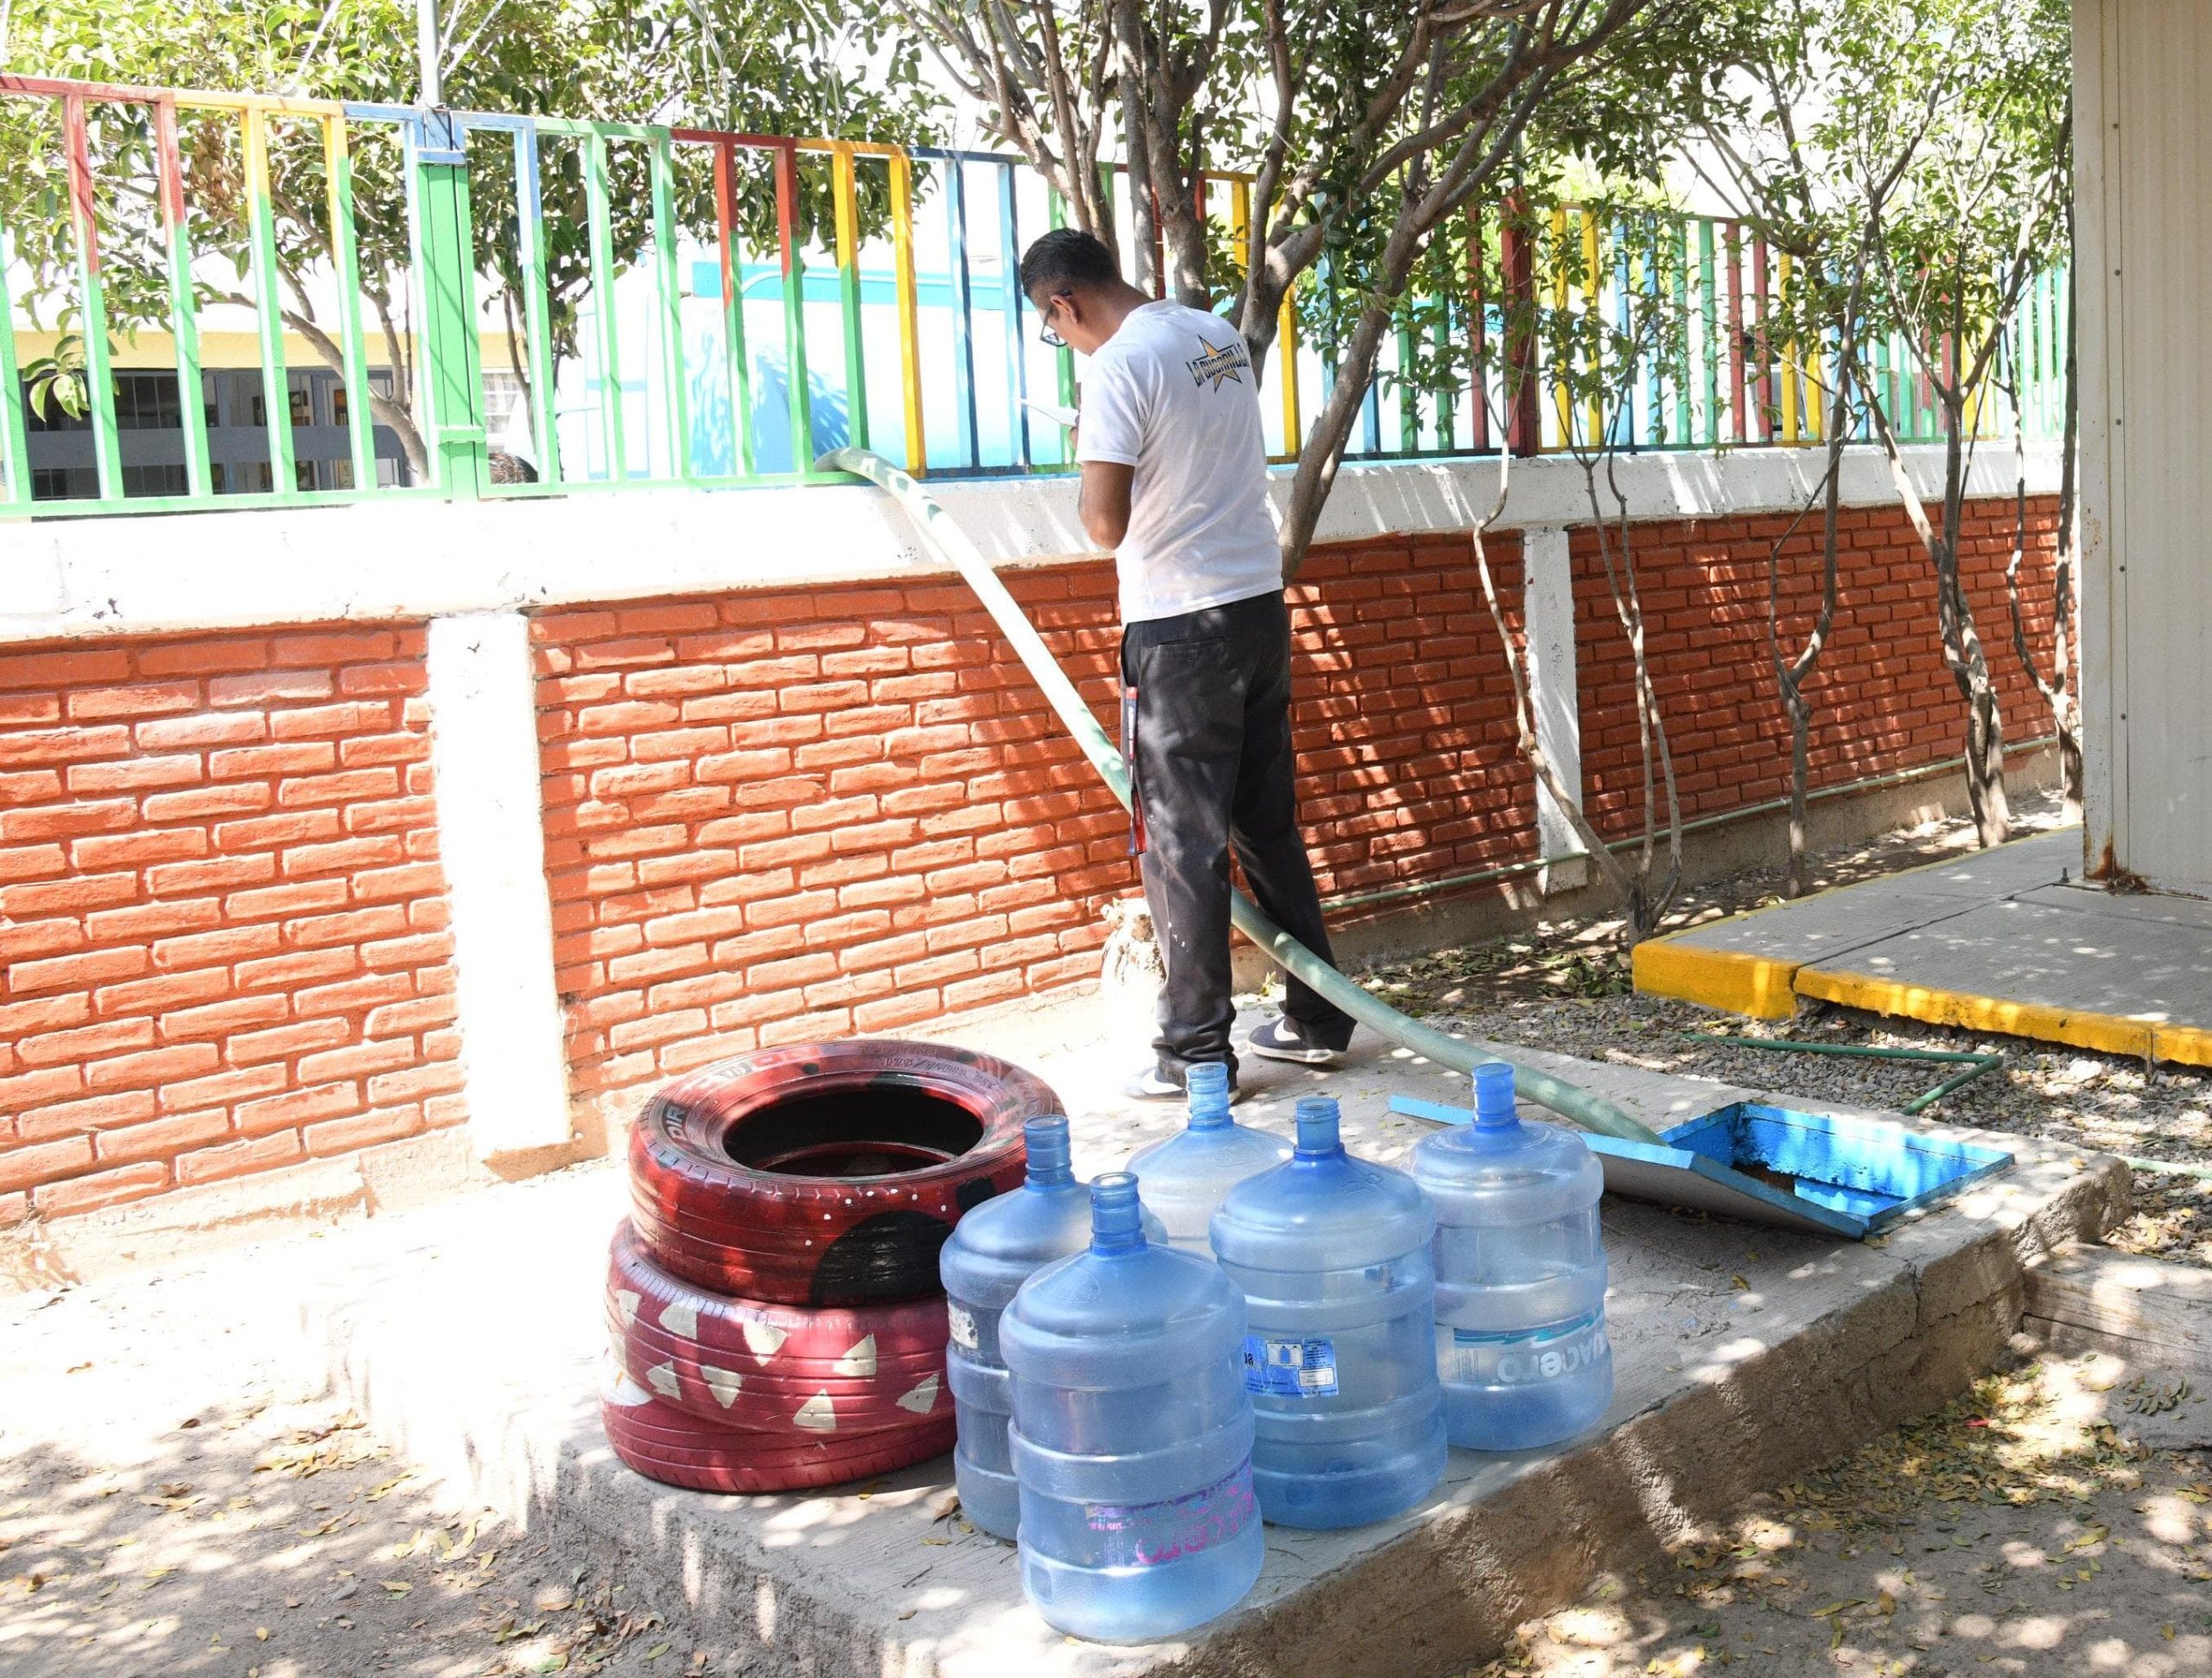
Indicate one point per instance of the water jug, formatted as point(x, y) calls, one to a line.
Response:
point(1520, 1275)
point(992, 1252)
point(1332, 1254)
point(1186, 1176)
point(1132, 1434)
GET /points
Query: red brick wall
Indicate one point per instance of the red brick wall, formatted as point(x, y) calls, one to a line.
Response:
point(796, 813)
point(1883, 700)
point(222, 920)
point(1404, 714)
point(775, 815)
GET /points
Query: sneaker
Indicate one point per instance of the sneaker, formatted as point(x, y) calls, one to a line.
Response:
point(1153, 1084)
point(1279, 1039)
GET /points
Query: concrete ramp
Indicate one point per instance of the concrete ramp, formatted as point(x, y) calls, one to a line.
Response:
point(2007, 940)
point(471, 1337)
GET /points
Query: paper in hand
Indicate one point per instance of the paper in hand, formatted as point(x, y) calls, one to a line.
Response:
point(1063, 418)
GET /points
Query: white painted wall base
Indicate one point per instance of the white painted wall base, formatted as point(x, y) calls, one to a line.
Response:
point(492, 836)
point(413, 556)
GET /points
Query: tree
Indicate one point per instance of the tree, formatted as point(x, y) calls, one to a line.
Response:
point(1594, 365)
point(1978, 213)
point(762, 65)
point(2056, 682)
point(1365, 130)
point(1791, 120)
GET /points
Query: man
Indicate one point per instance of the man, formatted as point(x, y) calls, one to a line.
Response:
point(1175, 482)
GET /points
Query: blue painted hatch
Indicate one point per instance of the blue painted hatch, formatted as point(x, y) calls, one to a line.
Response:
point(1816, 1172)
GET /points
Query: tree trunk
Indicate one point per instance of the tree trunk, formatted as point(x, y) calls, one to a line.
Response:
point(1798, 881)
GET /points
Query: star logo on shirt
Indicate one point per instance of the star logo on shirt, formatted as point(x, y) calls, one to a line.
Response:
point(1219, 362)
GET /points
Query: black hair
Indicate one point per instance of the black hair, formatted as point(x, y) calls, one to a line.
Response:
point(1067, 257)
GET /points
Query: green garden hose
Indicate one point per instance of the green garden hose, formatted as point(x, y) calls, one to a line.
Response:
point(1569, 1102)
point(1975, 1065)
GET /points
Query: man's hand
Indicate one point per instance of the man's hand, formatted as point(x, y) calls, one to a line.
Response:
point(1103, 502)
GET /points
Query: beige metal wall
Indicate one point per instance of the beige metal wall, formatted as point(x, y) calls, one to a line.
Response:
point(2143, 204)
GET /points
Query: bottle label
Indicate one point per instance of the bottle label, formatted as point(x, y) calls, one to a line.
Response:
point(963, 1325)
point(1525, 1359)
point(1290, 1369)
point(1148, 1534)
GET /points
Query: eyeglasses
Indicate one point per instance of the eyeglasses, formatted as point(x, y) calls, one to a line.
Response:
point(1046, 335)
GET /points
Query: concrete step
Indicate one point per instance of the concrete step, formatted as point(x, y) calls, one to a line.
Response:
point(470, 1336)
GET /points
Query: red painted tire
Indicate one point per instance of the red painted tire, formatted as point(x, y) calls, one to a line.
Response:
point(780, 1370)
point(663, 1444)
point(826, 1174)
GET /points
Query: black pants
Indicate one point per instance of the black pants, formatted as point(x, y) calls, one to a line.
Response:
point(1214, 769)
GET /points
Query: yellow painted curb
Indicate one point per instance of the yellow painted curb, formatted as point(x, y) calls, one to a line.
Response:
point(1732, 979)
point(2111, 1033)
point(2185, 1045)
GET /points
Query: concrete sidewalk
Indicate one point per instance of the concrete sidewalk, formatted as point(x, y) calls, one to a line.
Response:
point(470, 1336)
point(2007, 940)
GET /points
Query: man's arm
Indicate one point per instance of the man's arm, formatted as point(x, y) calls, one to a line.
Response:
point(1103, 502)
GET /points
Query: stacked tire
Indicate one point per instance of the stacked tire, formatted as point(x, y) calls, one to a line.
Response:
point(773, 1300)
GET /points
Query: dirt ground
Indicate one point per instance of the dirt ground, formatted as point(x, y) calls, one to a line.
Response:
point(173, 1504)
point(2015, 1532)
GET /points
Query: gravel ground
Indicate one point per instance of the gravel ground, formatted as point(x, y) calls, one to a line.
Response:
point(1564, 988)
point(2014, 1532)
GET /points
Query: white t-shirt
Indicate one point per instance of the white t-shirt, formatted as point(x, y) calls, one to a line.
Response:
point(1172, 394)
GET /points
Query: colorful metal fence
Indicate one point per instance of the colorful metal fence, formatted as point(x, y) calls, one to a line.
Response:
point(712, 309)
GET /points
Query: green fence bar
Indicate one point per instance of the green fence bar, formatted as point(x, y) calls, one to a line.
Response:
point(600, 215)
point(1408, 399)
point(15, 452)
point(793, 269)
point(1709, 308)
point(1446, 399)
point(536, 304)
point(1682, 430)
point(675, 415)
point(184, 319)
point(440, 233)
point(728, 241)
point(99, 378)
point(345, 245)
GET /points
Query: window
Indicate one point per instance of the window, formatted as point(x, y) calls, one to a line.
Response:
point(337, 408)
point(302, 407)
point(146, 402)
point(63, 483)
point(155, 480)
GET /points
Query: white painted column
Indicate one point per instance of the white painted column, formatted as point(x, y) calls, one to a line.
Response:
point(1548, 613)
point(492, 836)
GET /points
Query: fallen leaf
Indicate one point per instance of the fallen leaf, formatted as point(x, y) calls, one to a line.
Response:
point(660, 1649)
point(1885, 1604)
point(398, 1587)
